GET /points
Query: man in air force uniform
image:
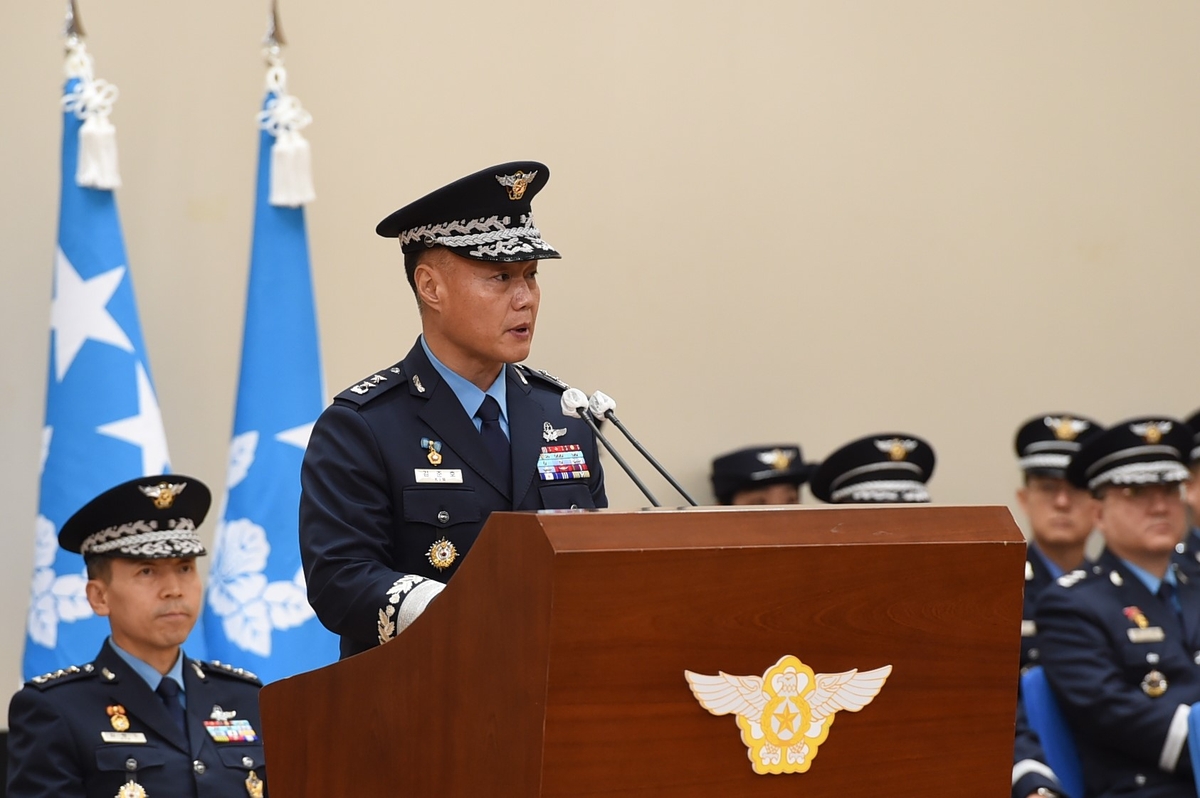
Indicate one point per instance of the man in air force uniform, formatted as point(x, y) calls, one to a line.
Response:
point(1061, 516)
point(760, 475)
point(404, 467)
point(142, 719)
point(892, 467)
point(1120, 640)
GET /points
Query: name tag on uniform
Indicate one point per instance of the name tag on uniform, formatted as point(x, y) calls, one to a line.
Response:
point(1151, 634)
point(123, 737)
point(434, 475)
point(1028, 628)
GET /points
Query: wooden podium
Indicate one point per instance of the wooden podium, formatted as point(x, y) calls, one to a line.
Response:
point(553, 663)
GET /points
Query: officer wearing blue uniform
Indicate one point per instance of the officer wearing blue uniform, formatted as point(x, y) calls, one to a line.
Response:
point(769, 474)
point(143, 718)
point(1060, 515)
point(892, 467)
point(1121, 640)
point(403, 469)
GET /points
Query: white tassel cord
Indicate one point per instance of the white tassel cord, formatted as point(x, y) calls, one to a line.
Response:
point(291, 156)
point(92, 101)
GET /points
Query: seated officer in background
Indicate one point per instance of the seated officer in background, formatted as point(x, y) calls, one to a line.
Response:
point(1120, 641)
point(1189, 549)
point(760, 475)
point(404, 468)
point(1061, 516)
point(141, 719)
point(887, 468)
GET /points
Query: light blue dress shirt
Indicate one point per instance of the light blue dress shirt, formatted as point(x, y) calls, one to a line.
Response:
point(1051, 566)
point(469, 395)
point(150, 674)
point(1152, 582)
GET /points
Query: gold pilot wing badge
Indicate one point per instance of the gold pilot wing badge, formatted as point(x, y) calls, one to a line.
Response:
point(516, 183)
point(1151, 431)
point(163, 493)
point(786, 713)
point(896, 448)
point(778, 459)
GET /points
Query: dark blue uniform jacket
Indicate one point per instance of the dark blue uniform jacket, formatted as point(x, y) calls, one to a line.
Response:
point(1037, 579)
point(1105, 641)
point(368, 512)
point(56, 744)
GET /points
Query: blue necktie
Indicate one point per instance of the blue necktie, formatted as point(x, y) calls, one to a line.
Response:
point(1170, 596)
point(495, 440)
point(168, 691)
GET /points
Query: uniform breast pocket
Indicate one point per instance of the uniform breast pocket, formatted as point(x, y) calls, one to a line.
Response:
point(441, 507)
point(1140, 658)
point(243, 758)
point(130, 758)
point(574, 495)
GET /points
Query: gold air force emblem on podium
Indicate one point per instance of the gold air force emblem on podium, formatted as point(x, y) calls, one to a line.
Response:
point(786, 713)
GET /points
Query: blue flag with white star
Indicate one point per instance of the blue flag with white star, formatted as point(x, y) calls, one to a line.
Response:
point(103, 425)
point(257, 614)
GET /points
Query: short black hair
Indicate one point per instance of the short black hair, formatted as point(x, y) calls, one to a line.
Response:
point(411, 260)
point(99, 567)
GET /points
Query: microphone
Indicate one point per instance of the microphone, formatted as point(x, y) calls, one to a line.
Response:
point(574, 404)
point(601, 405)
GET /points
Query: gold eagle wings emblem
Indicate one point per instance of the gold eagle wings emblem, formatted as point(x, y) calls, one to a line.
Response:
point(786, 713)
point(163, 494)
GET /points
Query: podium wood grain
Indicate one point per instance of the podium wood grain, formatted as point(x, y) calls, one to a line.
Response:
point(552, 665)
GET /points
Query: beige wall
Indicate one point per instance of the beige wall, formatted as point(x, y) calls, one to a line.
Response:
point(782, 220)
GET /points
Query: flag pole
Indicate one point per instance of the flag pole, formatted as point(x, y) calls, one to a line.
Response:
point(257, 612)
point(73, 29)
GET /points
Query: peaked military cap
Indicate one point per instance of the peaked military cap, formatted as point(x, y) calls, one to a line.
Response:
point(891, 467)
point(1139, 451)
point(145, 518)
point(756, 467)
point(1193, 422)
point(1045, 444)
point(484, 216)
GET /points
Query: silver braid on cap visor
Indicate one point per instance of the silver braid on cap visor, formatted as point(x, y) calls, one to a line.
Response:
point(1046, 460)
point(884, 490)
point(1163, 471)
point(145, 539)
point(491, 236)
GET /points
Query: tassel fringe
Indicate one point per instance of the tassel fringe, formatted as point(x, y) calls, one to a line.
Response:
point(291, 155)
point(91, 100)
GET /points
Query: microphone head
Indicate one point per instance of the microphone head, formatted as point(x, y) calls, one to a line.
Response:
point(573, 402)
point(601, 404)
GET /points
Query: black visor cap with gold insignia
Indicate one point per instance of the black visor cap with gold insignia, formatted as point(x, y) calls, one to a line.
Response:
point(1045, 444)
point(1137, 451)
point(484, 216)
point(891, 467)
point(756, 467)
point(148, 518)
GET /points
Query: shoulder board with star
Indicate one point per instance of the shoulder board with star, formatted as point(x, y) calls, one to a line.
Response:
point(62, 676)
point(373, 385)
point(539, 377)
point(218, 668)
point(1073, 578)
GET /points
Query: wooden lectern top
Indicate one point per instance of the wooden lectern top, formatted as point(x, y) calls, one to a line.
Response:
point(553, 663)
